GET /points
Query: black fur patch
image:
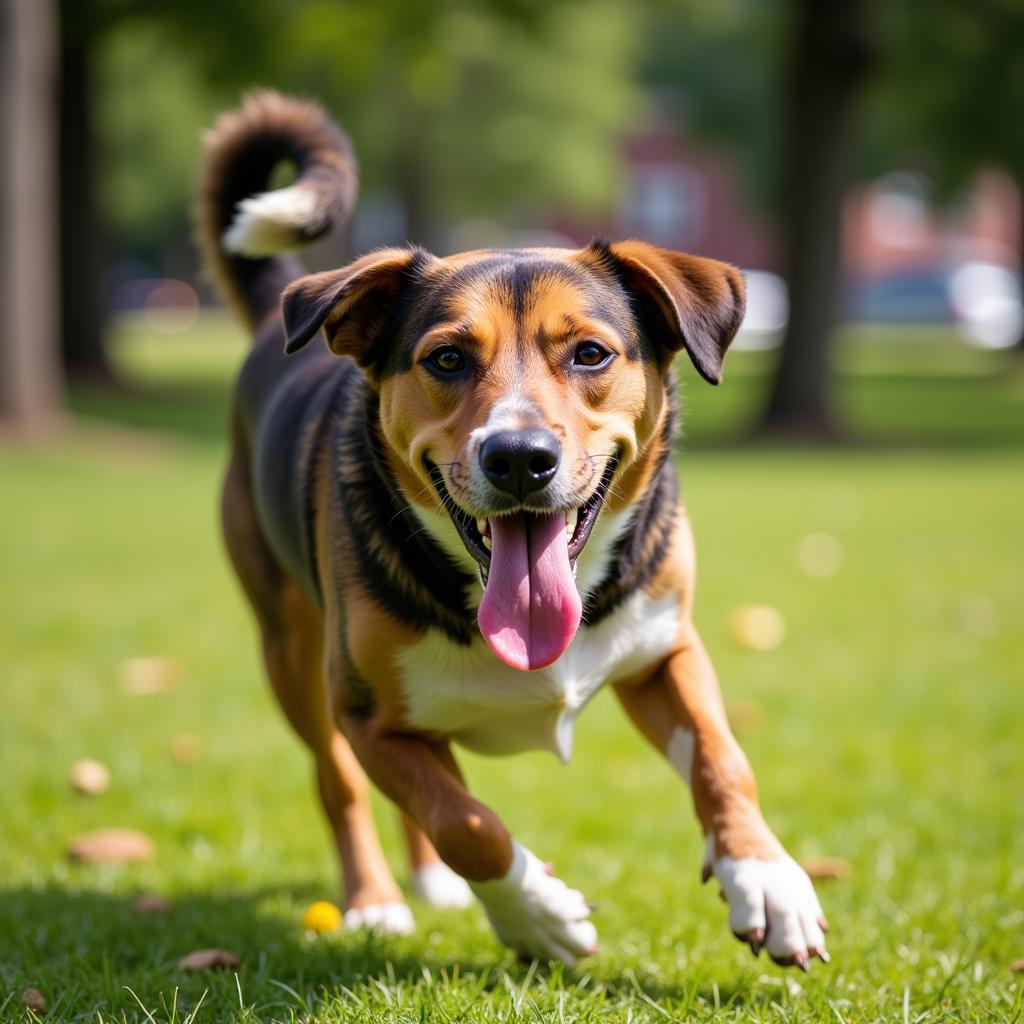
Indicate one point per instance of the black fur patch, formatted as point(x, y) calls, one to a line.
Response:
point(433, 299)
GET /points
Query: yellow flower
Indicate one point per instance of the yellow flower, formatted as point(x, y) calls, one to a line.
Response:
point(321, 916)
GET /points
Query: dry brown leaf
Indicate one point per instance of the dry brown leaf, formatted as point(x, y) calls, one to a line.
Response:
point(1017, 966)
point(89, 777)
point(151, 903)
point(208, 960)
point(824, 868)
point(34, 1000)
point(145, 676)
point(186, 747)
point(112, 846)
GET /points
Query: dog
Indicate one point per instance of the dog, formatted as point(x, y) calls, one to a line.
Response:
point(459, 518)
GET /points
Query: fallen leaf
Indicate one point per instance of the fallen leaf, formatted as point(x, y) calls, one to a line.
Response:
point(1017, 966)
point(186, 747)
point(321, 916)
point(111, 846)
point(208, 960)
point(757, 627)
point(34, 1000)
point(145, 676)
point(824, 868)
point(90, 777)
point(151, 903)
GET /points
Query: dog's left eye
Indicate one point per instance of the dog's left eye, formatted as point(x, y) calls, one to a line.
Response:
point(589, 353)
point(448, 359)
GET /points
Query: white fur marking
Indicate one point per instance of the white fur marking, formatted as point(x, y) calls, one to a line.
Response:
point(680, 751)
point(437, 885)
point(268, 223)
point(776, 895)
point(466, 693)
point(394, 918)
point(537, 914)
point(513, 412)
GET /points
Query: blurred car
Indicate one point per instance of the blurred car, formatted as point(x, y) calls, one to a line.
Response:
point(982, 299)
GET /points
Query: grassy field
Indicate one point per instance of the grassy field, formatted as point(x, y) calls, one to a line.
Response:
point(887, 729)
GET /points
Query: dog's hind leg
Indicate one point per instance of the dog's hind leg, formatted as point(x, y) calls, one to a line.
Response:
point(291, 630)
point(432, 880)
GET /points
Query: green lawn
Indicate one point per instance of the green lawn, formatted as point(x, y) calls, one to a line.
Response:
point(888, 729)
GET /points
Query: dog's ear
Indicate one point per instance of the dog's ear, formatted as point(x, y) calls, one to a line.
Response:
point(355, 306)
point(681, 301)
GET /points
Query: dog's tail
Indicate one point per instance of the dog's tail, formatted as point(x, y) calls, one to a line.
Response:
point(242, 227)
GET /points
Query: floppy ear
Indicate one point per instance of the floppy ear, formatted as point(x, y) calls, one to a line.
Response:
point(682, 301)
point(355, 305)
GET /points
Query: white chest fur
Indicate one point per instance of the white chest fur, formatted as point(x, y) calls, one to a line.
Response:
point(467, 694)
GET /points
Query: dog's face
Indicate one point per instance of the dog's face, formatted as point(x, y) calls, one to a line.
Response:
point(520, 391)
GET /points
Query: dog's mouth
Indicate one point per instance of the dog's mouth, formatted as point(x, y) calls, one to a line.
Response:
point(476, 533)
point(531, 609)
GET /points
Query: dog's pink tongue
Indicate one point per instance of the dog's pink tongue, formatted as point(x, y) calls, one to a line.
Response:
point(531, 608)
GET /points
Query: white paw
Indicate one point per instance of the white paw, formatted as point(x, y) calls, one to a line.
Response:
point(437, 885)
point(536, 914)
point(772, 903)
point(394, 918)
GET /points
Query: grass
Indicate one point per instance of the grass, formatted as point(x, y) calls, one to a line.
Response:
point(885, 730)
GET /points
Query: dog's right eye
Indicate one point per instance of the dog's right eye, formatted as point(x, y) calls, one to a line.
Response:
point(447, 360)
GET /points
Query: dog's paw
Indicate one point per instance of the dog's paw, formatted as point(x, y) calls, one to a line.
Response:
point(772, 905)
point(437, 885)
point(537, 914)
point(393, 918)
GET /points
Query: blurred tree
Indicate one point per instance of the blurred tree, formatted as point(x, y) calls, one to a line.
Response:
point(80, 227)
point(778, 84)
point(950, 95)
point(30, 384)
point(470, 108)
point(828, 61)
point(460, 108)
point(716, 64)
point(232, 34)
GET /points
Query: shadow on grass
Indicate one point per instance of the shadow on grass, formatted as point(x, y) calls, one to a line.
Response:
point(89, 950)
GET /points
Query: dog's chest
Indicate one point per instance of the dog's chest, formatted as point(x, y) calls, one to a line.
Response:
point(467, 694)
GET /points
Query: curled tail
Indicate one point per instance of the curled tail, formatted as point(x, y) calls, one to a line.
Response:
point(242, 228)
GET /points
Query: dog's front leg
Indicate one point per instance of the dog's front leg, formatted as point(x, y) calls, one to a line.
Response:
point(531, 911)
point(771, 900)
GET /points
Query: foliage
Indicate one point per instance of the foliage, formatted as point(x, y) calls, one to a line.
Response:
point(718, 69)
point(503, 109)
point(950, 90)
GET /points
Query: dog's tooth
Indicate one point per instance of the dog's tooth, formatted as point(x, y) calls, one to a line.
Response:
point(481, 525)
point(571, 518)
point(487, 541)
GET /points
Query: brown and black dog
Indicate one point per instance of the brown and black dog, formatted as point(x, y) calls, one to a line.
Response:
point(459, 519)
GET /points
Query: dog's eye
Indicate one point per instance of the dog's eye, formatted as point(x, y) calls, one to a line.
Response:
point(448, 359)
point(589, 353)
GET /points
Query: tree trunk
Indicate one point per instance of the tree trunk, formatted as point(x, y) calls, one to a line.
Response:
point(82, 319)
point(828, 63)
point(31, 391)
point(1018, 348)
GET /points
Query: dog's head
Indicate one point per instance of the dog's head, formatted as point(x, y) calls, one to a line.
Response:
point(521, 391)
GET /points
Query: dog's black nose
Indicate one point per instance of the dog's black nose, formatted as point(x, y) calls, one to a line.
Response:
point(520, 462)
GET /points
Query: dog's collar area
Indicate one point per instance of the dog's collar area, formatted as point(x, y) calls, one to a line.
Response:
point(580, 520)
